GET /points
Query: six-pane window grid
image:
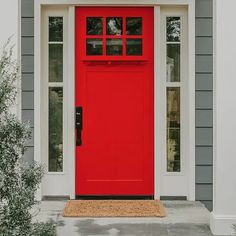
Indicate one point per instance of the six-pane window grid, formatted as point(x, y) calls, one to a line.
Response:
point(114, 36)
point(173, 91)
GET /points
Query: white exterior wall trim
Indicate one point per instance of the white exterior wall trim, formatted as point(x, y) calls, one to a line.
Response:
point(191, 85)
point(223, 217)
point(191, 96)
point(157, 97)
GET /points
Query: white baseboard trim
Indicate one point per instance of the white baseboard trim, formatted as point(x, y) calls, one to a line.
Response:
point(222, 224)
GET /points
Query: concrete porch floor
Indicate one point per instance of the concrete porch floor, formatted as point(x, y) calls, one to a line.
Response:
point(183, 219)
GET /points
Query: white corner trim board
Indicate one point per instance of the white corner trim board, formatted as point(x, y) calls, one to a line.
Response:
point(223, 216)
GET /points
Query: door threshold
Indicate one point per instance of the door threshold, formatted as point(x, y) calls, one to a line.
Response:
point(111, 197)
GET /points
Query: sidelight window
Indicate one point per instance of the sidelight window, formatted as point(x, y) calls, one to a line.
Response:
point(173, 94)
point(55, 94)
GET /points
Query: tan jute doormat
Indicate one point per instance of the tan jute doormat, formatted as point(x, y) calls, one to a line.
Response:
point(114, 208)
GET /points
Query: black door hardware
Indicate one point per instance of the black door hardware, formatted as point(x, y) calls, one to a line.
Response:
point(78, 125)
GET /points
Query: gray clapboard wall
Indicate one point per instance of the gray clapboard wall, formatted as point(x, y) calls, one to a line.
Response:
point(204, 101)
point(27, 60)
point(204, 97)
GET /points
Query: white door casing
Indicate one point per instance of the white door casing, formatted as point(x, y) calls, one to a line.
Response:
point(55, 184)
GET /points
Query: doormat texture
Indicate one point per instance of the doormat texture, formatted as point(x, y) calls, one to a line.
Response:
point(114, 208)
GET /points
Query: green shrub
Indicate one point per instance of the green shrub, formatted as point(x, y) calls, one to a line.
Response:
point(19, 181)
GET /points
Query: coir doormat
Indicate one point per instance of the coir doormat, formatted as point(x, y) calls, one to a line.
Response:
point(114, 208)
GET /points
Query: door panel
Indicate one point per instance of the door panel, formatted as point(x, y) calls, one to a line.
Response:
point(116, 94)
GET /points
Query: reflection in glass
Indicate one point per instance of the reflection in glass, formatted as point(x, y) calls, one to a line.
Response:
point(133, 25)
point(134, 47)
point(94, 47)
point(173, 63)
point(94, 26)
point(114, 46)
point(55, 29)
point(55, 62)
point(114, 25)
point(173, 29)
point(55, 129)
point(173, 129)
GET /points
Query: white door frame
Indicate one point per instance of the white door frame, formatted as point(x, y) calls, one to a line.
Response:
point(38, 125)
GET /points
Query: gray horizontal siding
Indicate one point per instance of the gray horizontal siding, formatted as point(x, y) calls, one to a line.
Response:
point(27, 63)
point(204, 136)
point(27, 26)
point(204, 46)
point(204, 8)
point(204, 175)
point(27, 45)
point(204, 26)
point(27, 100)
point(28, 116)
point(27, 82)
point(204, 191)
point(204, 101)
point(204, 63)
point(27, 68)
point(204, 155)
point(204, 118)
point(27, 9)
point(204, 82)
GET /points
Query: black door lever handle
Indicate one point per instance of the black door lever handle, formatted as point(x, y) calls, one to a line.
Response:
point(78, 125)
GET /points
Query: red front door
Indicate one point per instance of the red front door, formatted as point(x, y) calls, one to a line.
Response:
point(114, 89)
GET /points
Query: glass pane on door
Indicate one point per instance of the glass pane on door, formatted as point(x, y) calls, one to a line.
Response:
point(134, 26)
point(114, 25)
point(114, 46)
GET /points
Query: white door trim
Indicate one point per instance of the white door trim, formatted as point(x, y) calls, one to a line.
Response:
point(71, 99)
point(38, 125)
point(157, 98)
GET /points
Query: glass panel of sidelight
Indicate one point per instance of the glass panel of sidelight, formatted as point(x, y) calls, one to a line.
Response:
point(114, 26)
point(134, 47)
point(134, 26)
point(94, 25)
point(55, 29)
point(94, 47)
point(173, 63)
point(55, 132)
point(173, 29)
point(55, 62)
point(173, 129)
point(114, 47)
